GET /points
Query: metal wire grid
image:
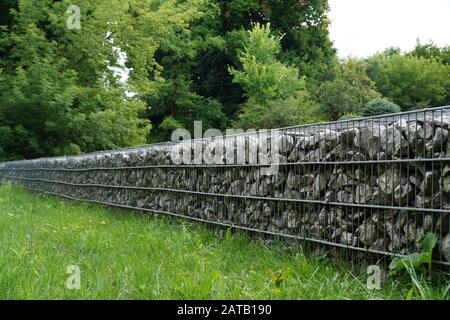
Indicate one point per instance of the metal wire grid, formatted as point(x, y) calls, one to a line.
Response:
point(333, 210)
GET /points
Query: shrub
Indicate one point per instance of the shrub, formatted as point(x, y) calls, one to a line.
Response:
point(295, 110)
point(380, 106)
point(348, 92)
point(72, 149)
point(412, 82)
point(166, 128)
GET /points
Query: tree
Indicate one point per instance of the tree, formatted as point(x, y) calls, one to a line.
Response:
point(305, 45)
point(276, 95)
point(58, 91)
point(166, 128)
point(431, 51)
point(348, 92)
point(177, 95)
point(174, 100)
point(304, 24)
point(177, 53)
point(297, 109)
point(412, 82)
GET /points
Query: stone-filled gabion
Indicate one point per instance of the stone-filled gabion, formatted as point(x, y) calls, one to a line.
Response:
point(375, 184)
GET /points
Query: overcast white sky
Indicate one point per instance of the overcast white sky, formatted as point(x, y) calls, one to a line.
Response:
point(363, 27)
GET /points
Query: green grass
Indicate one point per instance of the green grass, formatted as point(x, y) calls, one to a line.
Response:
point(126, 255)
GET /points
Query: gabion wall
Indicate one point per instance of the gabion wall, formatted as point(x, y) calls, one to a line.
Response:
point(375, 185)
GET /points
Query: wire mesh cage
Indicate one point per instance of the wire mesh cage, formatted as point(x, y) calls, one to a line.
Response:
point(374, 185)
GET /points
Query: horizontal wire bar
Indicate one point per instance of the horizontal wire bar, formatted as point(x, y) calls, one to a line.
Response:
point(430, 210)
point(360, 162)
point(232, 225)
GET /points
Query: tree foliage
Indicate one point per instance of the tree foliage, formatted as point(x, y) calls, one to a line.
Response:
point(58, 91)
point(380, 106)
point(432, 51)
point(410, 81)
point(201, 73)
point(247, 63)
point(349, 91)
point(276, 95)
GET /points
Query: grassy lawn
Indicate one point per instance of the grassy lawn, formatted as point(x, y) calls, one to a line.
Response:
point(124, 255)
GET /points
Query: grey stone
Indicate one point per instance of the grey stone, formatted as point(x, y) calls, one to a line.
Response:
point(348, 239)
point(425, 131)
point(284, 143)
point(439, 139)
point(379, 245)
point(388, 181)
point(344, 197)
point(323, 217)
point(364, 193)
point(430, 183)
point(393, 142)
point(348, 136)
point(297, 182)
point(320, 184)
point(292, 220)
point(297, 155)
point(330, 137)
point(445, 247)
point(437, 120)
point(367, 232)
point(308, 142)
point(395, 244)
point(428, 222)
point(343, 180)
point(445, 182)
point(369, 139)
point(403, 193)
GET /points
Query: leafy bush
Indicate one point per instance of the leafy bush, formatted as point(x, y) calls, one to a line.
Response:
point(277, 96)
point(72, 149)
point(348, 92)
point(295, 110)
point(166, 128)
point(411, 82)
point(416, 259)
point(414, 265)
point(380, 106)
